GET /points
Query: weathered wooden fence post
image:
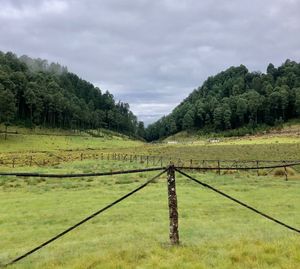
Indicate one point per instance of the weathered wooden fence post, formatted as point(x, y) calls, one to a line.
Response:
point(173, 212)
point(257, 166)
point(219, 168)
point(286, 174)
point(203, 165)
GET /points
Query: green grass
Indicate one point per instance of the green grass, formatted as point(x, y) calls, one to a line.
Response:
point(289, 129)
point(32, 141)
point(214, 232)
point(22, 143)
point(221, 151)
point(274, 147)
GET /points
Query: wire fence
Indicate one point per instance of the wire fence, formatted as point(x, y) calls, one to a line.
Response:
point(237, 201)
point(93, 215)
point(51, 159)
point(173, 215)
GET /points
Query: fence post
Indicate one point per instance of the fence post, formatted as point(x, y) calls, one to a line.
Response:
point(173, 212)
point(286, 174)
point(219, 170)
point(257, 166)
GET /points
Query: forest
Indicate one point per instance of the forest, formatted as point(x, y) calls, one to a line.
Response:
point(36, 93)
point(236, 98)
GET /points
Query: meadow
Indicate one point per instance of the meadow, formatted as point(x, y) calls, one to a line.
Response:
point(48, 140)
point(214, 232)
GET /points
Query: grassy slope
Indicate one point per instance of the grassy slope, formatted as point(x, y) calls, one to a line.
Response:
point(33, 141)
point(275, 145)
point(290, 129)
point(271, 146)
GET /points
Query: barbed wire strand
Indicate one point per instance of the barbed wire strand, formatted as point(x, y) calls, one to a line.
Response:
point(25, 174)
point(98, 174)
point(238, 168)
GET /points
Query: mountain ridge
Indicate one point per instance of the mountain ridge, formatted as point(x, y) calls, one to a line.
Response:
point(236, 98)
point(34, 92)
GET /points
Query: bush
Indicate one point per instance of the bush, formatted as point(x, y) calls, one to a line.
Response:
point(229, 172)
point(281, 171)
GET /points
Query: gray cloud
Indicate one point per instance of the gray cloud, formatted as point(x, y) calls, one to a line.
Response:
point(152, 54)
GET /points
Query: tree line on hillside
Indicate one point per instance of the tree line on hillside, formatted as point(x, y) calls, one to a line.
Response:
point(34, 92)
point(236, 98)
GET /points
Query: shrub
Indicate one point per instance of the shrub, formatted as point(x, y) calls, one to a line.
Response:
point(281, 171)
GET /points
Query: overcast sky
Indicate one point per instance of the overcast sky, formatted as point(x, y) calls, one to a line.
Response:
point(152, 53)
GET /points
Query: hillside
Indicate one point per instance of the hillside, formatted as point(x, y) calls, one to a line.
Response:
point(288, 132)
point(36, 93)
point(236, 98)
point(37, 140)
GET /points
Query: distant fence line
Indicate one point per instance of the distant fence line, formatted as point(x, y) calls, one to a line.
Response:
point(53, 159)
point(153, 160)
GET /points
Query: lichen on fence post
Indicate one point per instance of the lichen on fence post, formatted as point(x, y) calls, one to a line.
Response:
point(173, 211)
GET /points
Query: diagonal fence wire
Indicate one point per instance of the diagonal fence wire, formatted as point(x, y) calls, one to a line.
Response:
point(84, 220)
point(238, 201)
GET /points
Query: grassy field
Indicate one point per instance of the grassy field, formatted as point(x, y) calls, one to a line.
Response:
point(214, 232)
point(231, 151)
point(47, 140)
point(260, 135)
point(42, 147)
